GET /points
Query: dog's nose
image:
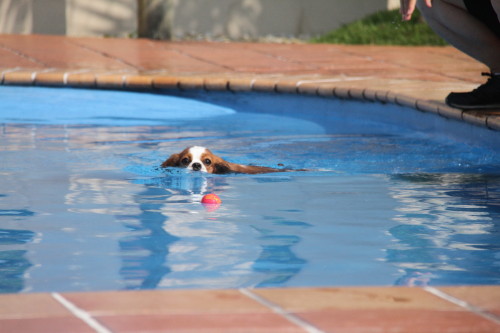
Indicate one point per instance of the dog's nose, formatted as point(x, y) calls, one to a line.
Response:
point(196, 166)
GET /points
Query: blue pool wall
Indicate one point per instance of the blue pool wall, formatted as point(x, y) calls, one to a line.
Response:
point(338, 112)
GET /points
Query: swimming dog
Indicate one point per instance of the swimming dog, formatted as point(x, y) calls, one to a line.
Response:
point(202, 159)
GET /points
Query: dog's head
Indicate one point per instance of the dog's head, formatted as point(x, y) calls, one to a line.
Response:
point(197, 159)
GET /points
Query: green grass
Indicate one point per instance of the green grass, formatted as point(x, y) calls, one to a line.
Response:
point(384, 28)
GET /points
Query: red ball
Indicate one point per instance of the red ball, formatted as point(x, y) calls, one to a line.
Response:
point(211, 199)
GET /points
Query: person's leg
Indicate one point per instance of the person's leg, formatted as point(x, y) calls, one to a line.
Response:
point(452, 21)
point(496, 7)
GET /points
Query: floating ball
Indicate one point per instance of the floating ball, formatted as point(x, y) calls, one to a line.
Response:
point(211, 199)
point(211, 202)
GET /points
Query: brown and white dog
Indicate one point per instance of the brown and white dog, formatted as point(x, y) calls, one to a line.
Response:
point(201, 159)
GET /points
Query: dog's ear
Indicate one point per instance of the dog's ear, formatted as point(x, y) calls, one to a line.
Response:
point(221, 168)
point(172, 161)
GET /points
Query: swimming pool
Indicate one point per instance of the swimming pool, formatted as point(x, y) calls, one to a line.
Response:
point(406, 199)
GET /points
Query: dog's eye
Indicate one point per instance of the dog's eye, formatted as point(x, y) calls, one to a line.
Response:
point(185, 161)
point(207, 161)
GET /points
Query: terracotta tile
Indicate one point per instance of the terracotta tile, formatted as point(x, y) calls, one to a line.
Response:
point(410, 59)
point(171, 301)
point(484, 297)
point(191, 82)
point(341, 92)
point(370, 94)
point(44, 325)
point(474, 117)
point(449, 112)
point(327, 90)
point(110, 81)
point(421, 321)
point(391, 98)
point(493, 123)
point(240, 57)
point(52, 78)
point(241, 84)
point(60, 52)
point(181, 57)
point(430, 92)
point(356, 93)
point(19, 77)
point(324, 58)
point(139, 81)
point(287, 86)
point(380, 72)
point(265, 84)
point(17, 306)
point(308, 88)
point(375, 298)
point(87, 79)
point(404, 100)
point(216, 83)
point(4, 71)
point(427, 106)
point(228, 322)
point(8, 58)
point(166, 82)
point(145, 54)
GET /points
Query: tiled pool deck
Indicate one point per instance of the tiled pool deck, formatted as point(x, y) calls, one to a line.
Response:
point(418, 77)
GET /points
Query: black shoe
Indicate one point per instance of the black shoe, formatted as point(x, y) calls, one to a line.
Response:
point(486, 96)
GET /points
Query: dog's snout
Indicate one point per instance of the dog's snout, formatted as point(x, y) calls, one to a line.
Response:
point(196, 166)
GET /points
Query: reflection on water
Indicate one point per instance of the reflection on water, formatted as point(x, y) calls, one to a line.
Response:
point(277, 259)
point(448, 228)
point(104, 206)
point(85, 207)
point(174, 242)
point(13, 263)
point(145, 250)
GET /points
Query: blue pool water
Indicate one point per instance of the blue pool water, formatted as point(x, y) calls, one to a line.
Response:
point(412, 200)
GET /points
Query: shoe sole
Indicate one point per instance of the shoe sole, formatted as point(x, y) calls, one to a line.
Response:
point(474, 107)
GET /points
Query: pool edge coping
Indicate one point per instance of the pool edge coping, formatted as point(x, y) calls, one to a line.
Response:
point(306, 309)
point(87, 78)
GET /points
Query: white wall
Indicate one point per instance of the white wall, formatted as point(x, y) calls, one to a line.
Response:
point(253, 18)
point(180, 18)
point(69, 17)
point(16, 16)
point(101, 18)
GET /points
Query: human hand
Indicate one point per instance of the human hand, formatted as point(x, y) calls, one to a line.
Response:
point(408, 7)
